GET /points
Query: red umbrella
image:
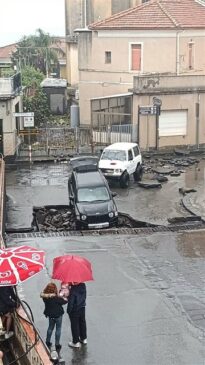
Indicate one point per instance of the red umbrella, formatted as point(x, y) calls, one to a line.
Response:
point(18, 264)
point(70, 269)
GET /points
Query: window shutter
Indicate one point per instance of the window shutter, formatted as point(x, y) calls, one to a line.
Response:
point(136, 57)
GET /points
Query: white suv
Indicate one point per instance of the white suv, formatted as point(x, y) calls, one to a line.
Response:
point(119, 160)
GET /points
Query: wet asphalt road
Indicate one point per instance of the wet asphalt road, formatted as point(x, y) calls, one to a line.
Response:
point(147, 303)
point(47, 184)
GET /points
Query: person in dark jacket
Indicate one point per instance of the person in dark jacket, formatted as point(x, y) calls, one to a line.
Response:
point(8, 303)
point(76, 312)
point(54, 311)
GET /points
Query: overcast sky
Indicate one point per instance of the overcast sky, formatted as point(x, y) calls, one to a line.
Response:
point(23, 17)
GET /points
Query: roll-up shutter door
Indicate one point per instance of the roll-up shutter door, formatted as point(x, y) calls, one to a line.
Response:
point(173, 123)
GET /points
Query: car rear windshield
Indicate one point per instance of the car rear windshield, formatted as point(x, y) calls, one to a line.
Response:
point(89, 195)
point(113, 155)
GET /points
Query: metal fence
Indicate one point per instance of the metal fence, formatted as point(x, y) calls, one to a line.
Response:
point(55, 141)
point(110, 134)
point(67, 141)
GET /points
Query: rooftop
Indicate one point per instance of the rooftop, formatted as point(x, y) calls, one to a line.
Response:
point(123, 146)
point(50, 82)
point(157, 14)
point(6, 51)
point(89, 179)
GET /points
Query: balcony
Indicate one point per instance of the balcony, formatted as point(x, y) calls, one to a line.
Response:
point(10, 86)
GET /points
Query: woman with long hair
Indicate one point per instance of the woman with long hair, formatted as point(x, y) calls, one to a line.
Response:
point(54, 311)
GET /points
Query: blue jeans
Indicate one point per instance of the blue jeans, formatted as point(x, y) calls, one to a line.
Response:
point(52, 323)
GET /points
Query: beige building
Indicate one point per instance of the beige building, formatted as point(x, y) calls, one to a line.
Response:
point(10, 103)
point(79, 14)
point(153, 50)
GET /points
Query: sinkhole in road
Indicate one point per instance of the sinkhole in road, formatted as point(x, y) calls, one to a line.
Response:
point(51, 218)
point(58, 220)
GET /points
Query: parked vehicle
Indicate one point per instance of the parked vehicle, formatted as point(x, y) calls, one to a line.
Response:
point(119, 160)
point(89, 195)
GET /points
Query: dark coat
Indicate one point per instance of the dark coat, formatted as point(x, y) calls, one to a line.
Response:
point(77, 298)
point(8, 299)
point(53, 305)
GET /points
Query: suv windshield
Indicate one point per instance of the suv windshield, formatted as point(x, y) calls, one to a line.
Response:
point(99, 193)
point(113, 155)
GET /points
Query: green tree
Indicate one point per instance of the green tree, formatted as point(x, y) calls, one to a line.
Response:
point(31, 78)
point(38, 103)
point(38, 51)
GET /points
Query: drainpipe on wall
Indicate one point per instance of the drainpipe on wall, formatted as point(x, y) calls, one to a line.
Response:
point(197, 120)
point(177, 53)
point(84, 13)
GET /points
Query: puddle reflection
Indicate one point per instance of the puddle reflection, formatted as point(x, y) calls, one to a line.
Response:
point(79, 356)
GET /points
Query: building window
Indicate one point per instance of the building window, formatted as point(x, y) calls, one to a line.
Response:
point(136, 57)
point(107, 57)
point(191, 55)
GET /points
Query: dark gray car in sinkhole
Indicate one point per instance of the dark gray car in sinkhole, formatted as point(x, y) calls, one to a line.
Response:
point(90, 197)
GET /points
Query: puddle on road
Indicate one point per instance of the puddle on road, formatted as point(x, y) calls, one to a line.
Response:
point(195, 175)
point(191, 244)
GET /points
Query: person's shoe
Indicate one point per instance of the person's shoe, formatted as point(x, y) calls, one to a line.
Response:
point(74, 345)
point(2, 332)
point(48, 344)
point(8, 335)
point(84, 342)
point(58, 347)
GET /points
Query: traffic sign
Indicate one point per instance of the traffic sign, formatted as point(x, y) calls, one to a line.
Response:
point(29, 114)
point(148, 110)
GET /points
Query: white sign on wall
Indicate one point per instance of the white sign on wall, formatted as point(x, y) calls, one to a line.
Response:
point(28, 122)
point(29, 114)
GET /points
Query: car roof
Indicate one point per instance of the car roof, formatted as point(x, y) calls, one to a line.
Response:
point(121, 146)
point(89, 179)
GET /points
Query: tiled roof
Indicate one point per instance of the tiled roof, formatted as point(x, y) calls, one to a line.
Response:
point(157, 14)
point(59, 44)
point(6, 51)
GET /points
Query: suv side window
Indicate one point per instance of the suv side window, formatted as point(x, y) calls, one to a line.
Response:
point(130, 156)
point(136, 151)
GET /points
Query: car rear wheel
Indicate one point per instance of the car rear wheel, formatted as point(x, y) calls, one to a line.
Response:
point(138, 173)
point(124, 180)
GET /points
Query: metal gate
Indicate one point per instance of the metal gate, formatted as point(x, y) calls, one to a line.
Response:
point(109, 126)
point(62, 142)
point(110, 134)
point(54, 141)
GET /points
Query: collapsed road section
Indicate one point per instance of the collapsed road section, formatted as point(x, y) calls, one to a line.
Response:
point(58, 220)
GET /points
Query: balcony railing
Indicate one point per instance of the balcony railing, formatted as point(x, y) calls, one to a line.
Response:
point(10, 86)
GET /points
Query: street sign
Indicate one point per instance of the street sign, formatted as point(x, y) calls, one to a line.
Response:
point(29, 114)
point(148, 110)
point(156, 101)
point(28, 122)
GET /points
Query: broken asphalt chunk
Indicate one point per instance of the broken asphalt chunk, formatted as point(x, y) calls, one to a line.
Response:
point(149, 184)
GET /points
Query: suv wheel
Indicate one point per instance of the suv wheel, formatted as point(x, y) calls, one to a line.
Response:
point(138, 173)
point(124, 180)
